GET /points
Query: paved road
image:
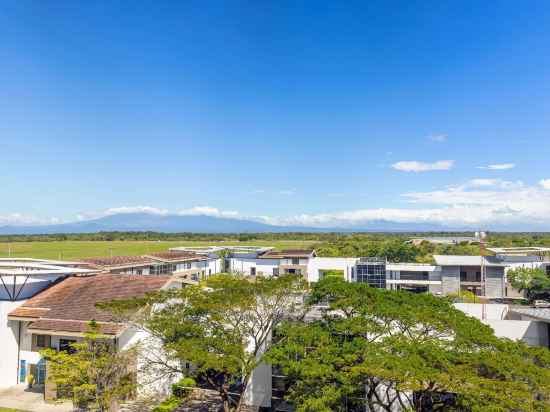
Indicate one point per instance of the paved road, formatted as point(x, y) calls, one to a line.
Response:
point(18, 397)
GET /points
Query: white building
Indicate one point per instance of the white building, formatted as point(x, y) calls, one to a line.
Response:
point(60, 315)
point(20, 280)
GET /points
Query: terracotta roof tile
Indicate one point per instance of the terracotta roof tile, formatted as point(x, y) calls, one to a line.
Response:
point(23, 312)
point(74, 298)
point(55, 325)
point(176, 256)
point(286, 253)
point(118, 261)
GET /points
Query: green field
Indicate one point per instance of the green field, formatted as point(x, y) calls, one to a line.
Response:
point(69, 250)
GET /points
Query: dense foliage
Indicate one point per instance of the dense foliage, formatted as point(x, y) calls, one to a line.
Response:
point(221, 327)
point(534, 281)
point(385, 349)
point(93, 374)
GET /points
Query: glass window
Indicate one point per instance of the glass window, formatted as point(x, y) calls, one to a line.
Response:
point(295, 261)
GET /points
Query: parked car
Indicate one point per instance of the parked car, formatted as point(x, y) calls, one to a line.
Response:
point(541, 304)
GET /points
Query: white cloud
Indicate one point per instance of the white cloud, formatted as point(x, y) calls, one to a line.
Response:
point(500, 166)
point(287, 192)
point(545, 183)
point(473, 204)
point(19, 219)
point(439, 138)
point(416, 166)
point(208, 211)
point(135, 209)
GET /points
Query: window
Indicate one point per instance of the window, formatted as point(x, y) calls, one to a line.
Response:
point(188, 265)
point(372, 273)
point(295, 261)
point(65, 345)
point(463, 276)
point(40, 342)
point(253, 271)
point(275, 271)
point(140, 271)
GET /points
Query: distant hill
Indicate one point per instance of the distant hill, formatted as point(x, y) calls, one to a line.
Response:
point(140, 222)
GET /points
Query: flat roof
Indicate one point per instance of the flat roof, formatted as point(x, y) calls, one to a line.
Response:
point(527, 250)
point(214, 249)
point(538, 313)
point(458, 260)
point(30, 267)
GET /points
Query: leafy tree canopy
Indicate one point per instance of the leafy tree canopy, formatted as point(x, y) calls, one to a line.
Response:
point(222, 327)
point(384, 349)
point(92, 373)
point(534, 281)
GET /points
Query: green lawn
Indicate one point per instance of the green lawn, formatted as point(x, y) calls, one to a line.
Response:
point(10, 410)
point(69, 250)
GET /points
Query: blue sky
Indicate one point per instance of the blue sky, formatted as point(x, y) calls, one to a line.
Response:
point(283, 112)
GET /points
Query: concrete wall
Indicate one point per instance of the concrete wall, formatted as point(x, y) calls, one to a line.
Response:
point(450, 278)
point(489, 311)
point(495, 282)
point(534, 333)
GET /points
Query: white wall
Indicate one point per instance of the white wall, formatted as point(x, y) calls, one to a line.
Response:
point(532, 332)
point(151, 380)
point(263, 266)
point(489, 311)
point(9, 331)
point(318, 264)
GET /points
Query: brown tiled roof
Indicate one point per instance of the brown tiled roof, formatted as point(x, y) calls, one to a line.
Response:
point(23, 312)
point(75, 326)
point(118, 261)
point(176, 256)
point(74, 298)
point(286, 253)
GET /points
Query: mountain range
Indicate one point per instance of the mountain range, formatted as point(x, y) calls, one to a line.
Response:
point(139, 222)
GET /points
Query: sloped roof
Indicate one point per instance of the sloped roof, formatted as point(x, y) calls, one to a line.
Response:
point(70, 304)
point(115, 261)
point(287, 253)
point(176, 256)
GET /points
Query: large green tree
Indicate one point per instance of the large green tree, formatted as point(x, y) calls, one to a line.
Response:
point(221, 327)
point(92, 373)
point(375, 349)
point(533, 281)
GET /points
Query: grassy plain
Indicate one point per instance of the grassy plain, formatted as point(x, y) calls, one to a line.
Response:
point(69, 250)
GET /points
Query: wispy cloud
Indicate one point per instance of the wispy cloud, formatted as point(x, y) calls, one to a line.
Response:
point(287, 192)
point(545, 183)
point(475, 203)
point(499, 166)
point(439, 138)
point(20, 219)
point(416, 166)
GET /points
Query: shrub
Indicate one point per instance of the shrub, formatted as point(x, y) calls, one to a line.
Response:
point(168, 405)
point(181, 388)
